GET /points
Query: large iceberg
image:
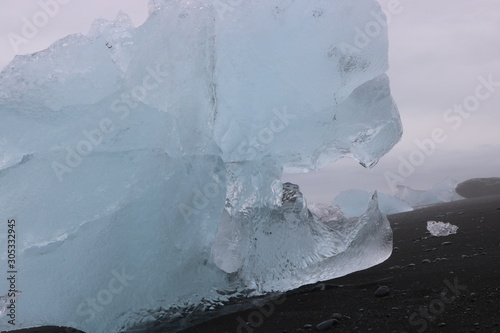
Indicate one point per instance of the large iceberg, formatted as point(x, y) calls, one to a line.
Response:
point(142, 166)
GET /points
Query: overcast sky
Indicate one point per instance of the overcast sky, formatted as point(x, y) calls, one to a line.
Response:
point(440, 53)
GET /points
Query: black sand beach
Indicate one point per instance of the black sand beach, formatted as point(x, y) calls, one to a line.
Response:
point(436, 284)
point(457, 291)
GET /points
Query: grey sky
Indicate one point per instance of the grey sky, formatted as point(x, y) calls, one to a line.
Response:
point(438, 49)
point(438, 52)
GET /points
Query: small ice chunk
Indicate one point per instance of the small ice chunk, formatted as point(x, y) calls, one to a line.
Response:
point(441, 229)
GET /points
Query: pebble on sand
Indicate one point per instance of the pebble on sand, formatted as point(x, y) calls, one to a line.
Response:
point(382, 291)
point(336, 316)
point(327, 324)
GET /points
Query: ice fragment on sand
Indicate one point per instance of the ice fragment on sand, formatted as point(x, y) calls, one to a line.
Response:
point(441, 229)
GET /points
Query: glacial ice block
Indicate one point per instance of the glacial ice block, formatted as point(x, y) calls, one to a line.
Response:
point(354, 202)
point(444, 191)
point(143, 165)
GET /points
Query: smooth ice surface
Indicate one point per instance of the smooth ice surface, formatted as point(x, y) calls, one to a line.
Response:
point(443, 191)
point(354, 202)
point(143, 165)
point(441, 229)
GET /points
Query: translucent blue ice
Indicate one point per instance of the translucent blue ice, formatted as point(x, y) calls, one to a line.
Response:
point(143, 165)
point(353, 203)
